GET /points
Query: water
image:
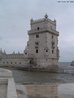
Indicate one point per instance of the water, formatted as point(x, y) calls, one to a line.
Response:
point(50, 91)
point(43, 77)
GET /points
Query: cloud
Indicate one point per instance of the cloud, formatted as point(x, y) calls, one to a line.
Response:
point(15, 18)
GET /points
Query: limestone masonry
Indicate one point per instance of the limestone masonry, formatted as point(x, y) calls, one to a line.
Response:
point(41, 50)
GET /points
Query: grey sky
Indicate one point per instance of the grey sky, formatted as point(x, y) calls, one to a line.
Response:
point(15, 18)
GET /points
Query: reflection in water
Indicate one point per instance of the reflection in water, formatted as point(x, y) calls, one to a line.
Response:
point(50, 91)
point(51, 88)
point(42, 91)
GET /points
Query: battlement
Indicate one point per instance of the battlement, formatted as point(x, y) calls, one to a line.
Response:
point(44, 24)
point(45, 19)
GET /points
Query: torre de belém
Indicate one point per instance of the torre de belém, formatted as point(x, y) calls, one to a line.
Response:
point(41, 51)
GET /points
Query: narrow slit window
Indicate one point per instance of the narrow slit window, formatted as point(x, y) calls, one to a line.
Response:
point(46, 50)
point(52, 51)
point(52, 36)
point(36, 50)
point(38, 28)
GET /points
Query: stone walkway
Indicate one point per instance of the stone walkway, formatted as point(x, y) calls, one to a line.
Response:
point(3, 90)
point(7, 84)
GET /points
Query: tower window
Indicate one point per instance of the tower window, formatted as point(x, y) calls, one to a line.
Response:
point(38, 28)
point(36, 43)
point(53, 45)
point(36, 47)
point(37, 35)
point(52, 36)
point(36, 50)
point(46, 50)
point(52, 51)
point(26, 53)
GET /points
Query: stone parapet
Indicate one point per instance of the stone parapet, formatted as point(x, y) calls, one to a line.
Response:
point(7, 84)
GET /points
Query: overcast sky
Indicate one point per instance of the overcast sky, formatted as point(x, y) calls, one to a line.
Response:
point(15, 18)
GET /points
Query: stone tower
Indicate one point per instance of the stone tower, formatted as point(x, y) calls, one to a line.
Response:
point(42, 46)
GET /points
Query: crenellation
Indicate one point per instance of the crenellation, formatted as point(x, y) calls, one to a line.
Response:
point(43, 20)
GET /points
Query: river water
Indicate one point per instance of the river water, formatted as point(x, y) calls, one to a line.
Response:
point(42, 77)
